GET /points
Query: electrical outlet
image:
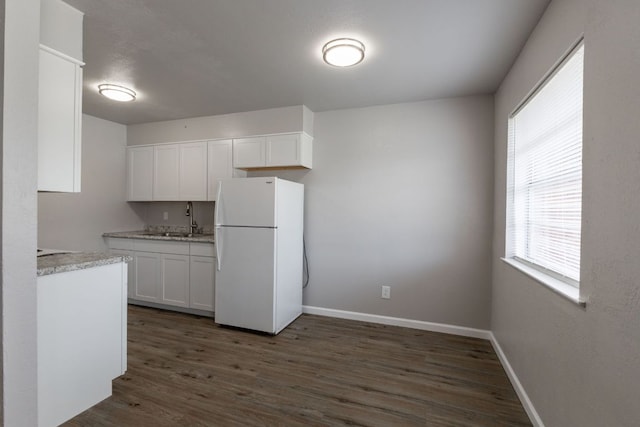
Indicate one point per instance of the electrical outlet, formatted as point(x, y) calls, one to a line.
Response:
point(165, 216)
point(386, 292)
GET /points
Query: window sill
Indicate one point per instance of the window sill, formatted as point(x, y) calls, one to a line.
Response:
point(564, 290)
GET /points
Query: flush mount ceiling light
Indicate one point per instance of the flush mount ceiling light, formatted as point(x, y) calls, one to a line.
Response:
point(343, 52)
point(117, 93)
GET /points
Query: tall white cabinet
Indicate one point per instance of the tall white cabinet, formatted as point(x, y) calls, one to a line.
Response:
point(59, 121)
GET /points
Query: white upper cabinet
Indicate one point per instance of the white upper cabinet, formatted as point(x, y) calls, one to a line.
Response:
point(289, 150)
point(193, 171)
point(275, 151)
point(249, 152)
point(60, 98)
point(59, 122)
point(180, 171)
point(220, 164)
point(140, 173)
point(166, 172)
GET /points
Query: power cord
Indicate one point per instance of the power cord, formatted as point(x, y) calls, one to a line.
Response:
point(306, 264)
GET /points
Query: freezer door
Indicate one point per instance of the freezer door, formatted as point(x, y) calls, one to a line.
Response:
point(244, 294)
point(247, 202)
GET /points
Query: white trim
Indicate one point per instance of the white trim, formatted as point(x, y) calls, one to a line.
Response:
point(228, 138)
point(397, 321)
point(515, 382)
point(186, 310)
point(558, 286)
point(61, 55)
point(549, 74)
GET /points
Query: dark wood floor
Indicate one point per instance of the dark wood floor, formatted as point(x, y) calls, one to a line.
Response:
point(185, 371)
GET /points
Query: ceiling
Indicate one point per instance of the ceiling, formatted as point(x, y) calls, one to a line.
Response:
point(206, 57)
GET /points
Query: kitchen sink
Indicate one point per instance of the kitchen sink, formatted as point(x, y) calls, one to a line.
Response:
point(177, 234)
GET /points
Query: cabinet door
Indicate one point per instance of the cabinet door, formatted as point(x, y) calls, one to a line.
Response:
point(147, 277)
point(131, 276)
point(166, 172)
point(202, 270)
point(59, 123)
point(193, 171)
point(220, 162)
point(174, 278)
point(249, 152)
point(139, 173)
point(283, 150)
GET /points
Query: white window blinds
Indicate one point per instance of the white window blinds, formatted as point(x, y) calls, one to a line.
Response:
point(545, 174)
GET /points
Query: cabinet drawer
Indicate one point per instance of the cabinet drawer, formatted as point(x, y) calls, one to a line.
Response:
point(179, 248)
point(123, 244)
point(203, 249)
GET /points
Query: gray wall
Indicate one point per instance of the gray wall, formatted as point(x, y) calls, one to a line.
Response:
point(203, 213)
point(61, 27)
point(18, 184)
point(401, 195)
point(275, 120)
point(76, 221)
point(581, 367)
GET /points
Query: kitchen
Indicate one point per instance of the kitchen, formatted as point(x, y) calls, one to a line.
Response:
point(380, 162)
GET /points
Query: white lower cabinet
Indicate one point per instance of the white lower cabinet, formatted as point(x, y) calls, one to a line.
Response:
point(172, 274)
point(130, 270)
point(174, 279)
point(146, 277)
point(82, 339)
point(202, 272)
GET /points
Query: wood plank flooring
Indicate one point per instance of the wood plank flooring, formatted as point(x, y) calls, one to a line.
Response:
point(185, 371)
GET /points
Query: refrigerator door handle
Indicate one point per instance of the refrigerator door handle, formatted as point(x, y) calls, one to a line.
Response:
point(218, 229)
point(217, 211)
point(218, 242)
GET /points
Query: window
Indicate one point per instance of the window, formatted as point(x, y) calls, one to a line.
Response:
point(544, 175)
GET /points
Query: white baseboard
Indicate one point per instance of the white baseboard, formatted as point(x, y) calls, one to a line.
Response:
point(397, 321)
point(515, 382)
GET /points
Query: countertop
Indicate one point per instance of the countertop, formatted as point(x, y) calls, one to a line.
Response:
point(59, 263)
point(142, 234)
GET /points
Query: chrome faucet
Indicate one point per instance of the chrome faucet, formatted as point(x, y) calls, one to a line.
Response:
point(193, 226)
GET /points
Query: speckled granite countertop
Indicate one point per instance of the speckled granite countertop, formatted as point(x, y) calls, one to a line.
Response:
point(59, 263)
point(143, 234)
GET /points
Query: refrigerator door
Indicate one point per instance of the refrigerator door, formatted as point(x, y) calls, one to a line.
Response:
point(247, 202)
point(244, 291)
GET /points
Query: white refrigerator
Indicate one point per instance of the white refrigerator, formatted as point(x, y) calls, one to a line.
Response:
point(259, 225)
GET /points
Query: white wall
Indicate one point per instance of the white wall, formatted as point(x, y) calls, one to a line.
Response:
point(18, 184)
point(76, 221)
point(61, 28)
point(581, 367)
point(401, 195)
